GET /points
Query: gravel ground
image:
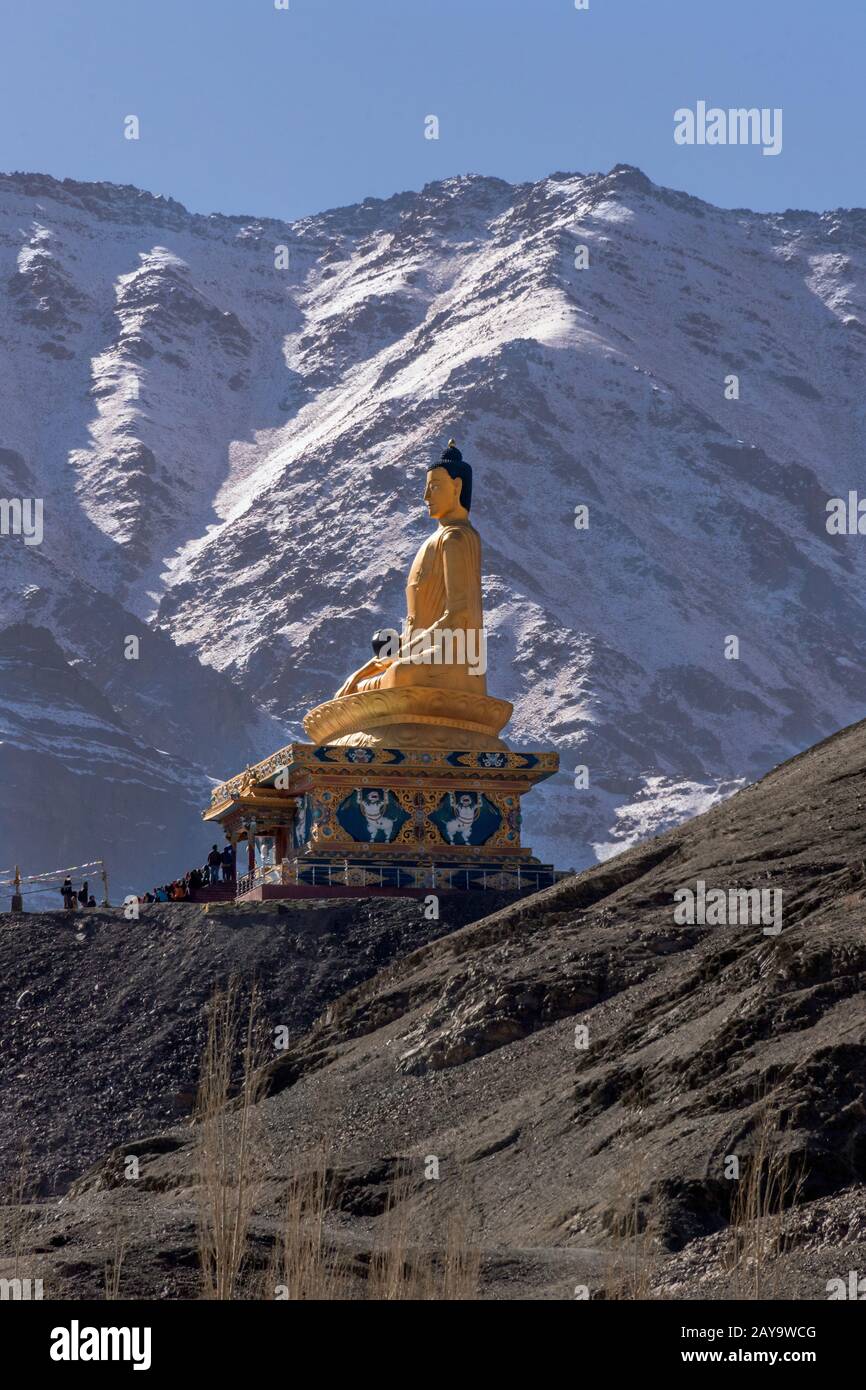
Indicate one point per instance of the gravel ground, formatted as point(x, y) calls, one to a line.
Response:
point(102, 1019)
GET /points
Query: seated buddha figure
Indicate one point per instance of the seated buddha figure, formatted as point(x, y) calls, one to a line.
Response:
point(443, 595)
point(429, 689)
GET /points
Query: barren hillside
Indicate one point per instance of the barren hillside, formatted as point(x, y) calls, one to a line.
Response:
point(699, 1038)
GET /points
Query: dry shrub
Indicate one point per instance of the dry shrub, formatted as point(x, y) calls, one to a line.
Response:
point(230, 1141)
point(769, 1186)
point(401, 1270)
point(16, 1214)
point(114, 1264)
point(305, 1265)
point(634, 1249)
point(308, 1265)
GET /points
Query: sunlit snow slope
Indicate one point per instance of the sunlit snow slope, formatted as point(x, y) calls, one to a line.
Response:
point(231, 456)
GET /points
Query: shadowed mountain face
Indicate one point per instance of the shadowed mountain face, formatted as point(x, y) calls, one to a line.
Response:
point(228, 421)
point(568, 1058)
point(78, 783)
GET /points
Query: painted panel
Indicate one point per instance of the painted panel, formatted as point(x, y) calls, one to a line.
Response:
point(466, 818)
point(372, 815)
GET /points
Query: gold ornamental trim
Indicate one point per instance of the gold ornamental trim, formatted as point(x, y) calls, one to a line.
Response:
point(424, 705)
point(433, 719)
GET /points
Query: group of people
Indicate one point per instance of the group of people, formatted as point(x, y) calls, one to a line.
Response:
point(74, 900)
point(218, 867)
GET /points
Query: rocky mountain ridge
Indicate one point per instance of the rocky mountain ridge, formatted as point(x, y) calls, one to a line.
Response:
point(228, 419)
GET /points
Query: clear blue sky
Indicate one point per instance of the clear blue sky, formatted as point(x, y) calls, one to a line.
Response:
point(246, 108)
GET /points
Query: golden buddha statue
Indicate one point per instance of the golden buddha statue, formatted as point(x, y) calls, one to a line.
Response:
point(427, 688)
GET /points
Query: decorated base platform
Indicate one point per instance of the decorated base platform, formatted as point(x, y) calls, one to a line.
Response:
point(338, 820)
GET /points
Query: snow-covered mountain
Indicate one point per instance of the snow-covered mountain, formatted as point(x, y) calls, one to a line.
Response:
point(229, 418)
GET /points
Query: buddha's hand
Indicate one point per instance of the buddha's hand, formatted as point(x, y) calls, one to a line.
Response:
point(372, 668)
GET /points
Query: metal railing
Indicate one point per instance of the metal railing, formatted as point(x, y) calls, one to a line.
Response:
point(336, 874)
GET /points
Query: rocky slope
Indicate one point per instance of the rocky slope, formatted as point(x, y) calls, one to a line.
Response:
point(700, 1039)
point(102, 1017)
point(227, 419)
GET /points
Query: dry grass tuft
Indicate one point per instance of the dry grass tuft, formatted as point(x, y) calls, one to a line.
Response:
point(401, 1270)
point(305, 1266)
point(114, 1265)
point(634, 1252)
point(230, 1150)
point(306, 1263)
point(16, 1215)
point(770, 1186)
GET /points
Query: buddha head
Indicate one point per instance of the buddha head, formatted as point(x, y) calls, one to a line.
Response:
point(449, 484)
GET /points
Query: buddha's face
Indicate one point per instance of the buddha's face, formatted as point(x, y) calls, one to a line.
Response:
point(442, 493)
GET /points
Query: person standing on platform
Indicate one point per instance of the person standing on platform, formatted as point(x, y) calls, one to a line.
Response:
point(214, 859)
